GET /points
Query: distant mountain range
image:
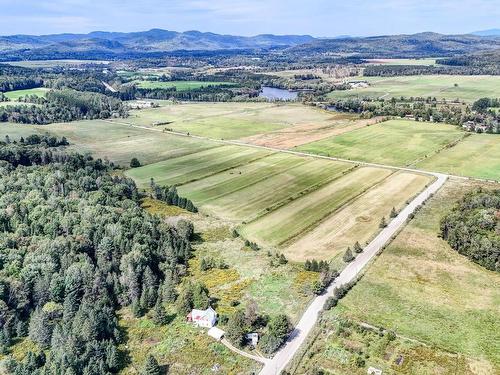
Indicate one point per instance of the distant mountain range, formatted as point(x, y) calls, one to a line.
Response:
point(155, 40)
point(416, 45)
point(489, 32)
point(108, 45)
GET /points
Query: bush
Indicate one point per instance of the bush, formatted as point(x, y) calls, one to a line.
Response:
point(135, 163)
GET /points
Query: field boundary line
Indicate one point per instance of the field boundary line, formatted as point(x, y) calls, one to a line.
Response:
point(300, 194)
point(363, 192)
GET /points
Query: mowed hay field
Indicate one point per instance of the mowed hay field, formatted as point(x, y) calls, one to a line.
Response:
point(195, 166)
point(296, 217)
point(234, 120)
point(359, 220)
point(305, 175)
point(15, 95)
point(420, 288)
point(477, 155)
point(117, 142)
point(395, 142)
point(468, 88)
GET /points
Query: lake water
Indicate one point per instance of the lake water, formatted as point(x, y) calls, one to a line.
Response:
point(272, 93)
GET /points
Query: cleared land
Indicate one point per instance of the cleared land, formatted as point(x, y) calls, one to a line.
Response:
point(277, 190)
point(15, 95)
point(180, 85)
point(468, 88)
point(359, 220)
point(475, 156)
point(422, 289)
point(395, 142)
point(296, 217)
point(426, 61)
point(195, 166)
point(237, 120)
point(119, 143)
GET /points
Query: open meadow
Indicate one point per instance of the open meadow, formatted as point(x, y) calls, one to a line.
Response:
point(180, 85)
point(477, 155)
point(15, 95)
point(420, 288)
point(239, 120)
point(467, 88)
point(395, 142)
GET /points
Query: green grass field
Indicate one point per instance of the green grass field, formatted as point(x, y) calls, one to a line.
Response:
point(232, 120)
point(395, 142)
point(425, 61)
point(422, 289)
point(476, 156)
point(119, 143)
point(276, 190)
point(15, 95)
point(180, 85)
point(296, 217)
point(469, 88)
point(195, 166)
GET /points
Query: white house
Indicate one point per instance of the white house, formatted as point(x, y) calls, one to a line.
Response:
point(203, 318)
point(252, 338)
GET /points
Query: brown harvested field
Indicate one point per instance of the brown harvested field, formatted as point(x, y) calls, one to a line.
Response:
point(306, 133)
point(357, 221)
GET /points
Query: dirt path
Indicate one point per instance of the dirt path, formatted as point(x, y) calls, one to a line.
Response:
point(243, 353)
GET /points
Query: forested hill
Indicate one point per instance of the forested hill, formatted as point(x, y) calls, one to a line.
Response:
point(401, 46)
point(75, 246)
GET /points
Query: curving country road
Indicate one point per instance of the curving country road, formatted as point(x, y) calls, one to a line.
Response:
point(310, 316)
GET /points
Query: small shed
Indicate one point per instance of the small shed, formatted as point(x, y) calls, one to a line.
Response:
point(252, 338)
point(374, 371)
point(216, 333)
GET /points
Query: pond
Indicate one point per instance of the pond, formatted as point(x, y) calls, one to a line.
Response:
point(273, 93)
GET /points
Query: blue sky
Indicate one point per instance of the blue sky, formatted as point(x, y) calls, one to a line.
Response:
point(250, 17)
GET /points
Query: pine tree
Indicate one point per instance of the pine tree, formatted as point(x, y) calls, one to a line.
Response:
point(383, 223)
point(357, 248)
point(40, 329)
point(159, 315)
point(151, 367)
point(393, 213)
point(348, 257)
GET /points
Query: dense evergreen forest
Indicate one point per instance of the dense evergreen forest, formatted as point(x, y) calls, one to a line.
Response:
point(75, 246)
point(473, 228)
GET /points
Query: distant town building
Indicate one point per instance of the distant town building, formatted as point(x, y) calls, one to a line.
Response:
point(203, 318)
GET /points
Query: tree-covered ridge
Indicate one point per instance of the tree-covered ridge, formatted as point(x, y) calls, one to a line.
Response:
point(75, 246)
point(473, 228)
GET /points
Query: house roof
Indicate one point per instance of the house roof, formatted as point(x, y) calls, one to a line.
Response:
point(216, 333)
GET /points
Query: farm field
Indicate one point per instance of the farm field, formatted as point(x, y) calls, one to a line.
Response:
point(235, 120)
point(195, 166)
point(15, 95)
point(395, 142)
point(469, 88)
point(424, 61)
point(420, 288)
point(180, 85)
point(120, 143)
point(296, 217)
point(359, 220)
point(278, 190)
point(475, 156)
